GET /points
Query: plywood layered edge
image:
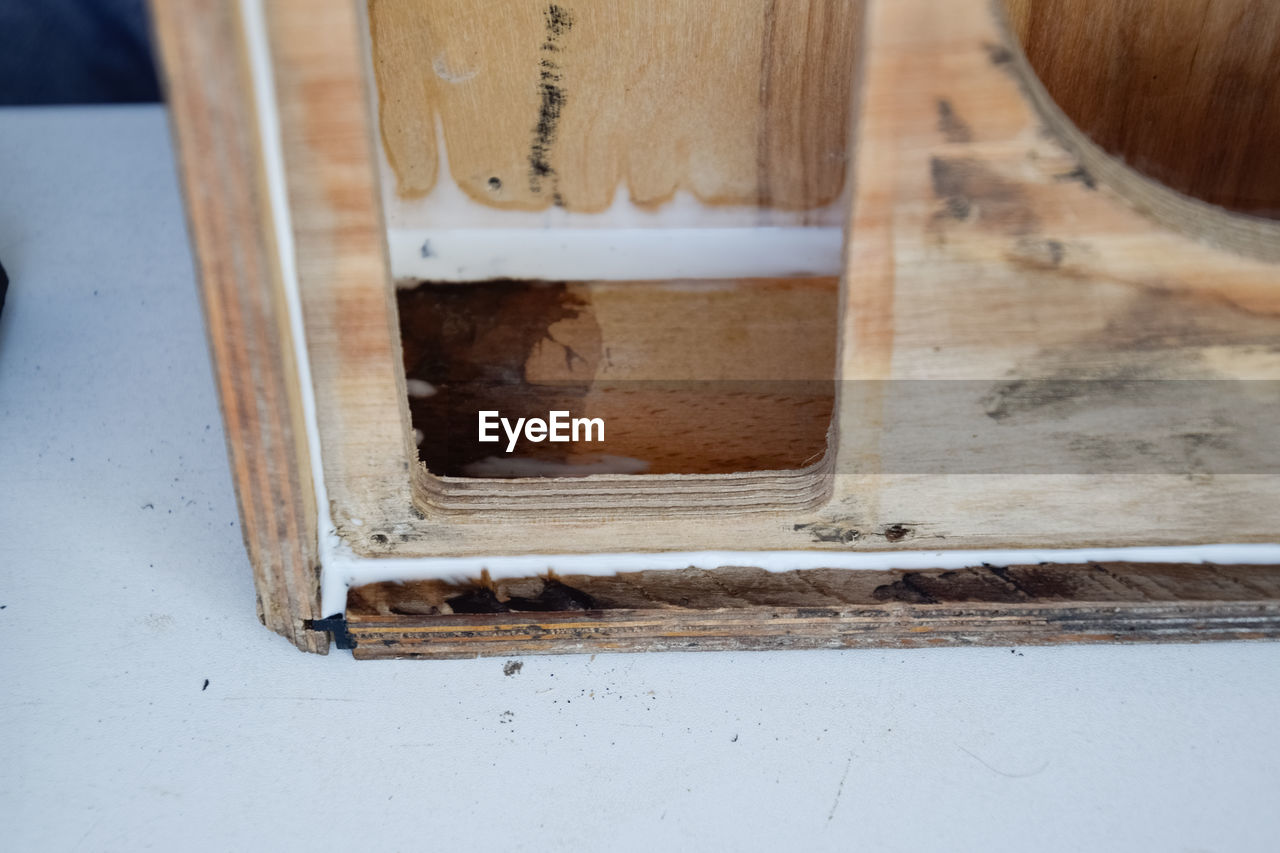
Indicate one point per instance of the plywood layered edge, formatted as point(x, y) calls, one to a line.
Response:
point(750, 609)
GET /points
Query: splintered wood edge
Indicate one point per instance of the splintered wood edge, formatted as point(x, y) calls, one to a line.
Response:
point(750, 609)
point(209, 87)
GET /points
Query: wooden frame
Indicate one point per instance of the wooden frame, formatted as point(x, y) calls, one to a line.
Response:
point(220, 160)
point(969, 188)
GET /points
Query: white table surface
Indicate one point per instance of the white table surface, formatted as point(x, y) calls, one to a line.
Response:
point(125, 586)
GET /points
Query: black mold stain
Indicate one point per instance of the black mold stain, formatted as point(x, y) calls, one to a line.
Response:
point(471, 342)
point(1115, 377)
point(552, 99)
point(1038, 582)
point(829, 532)
point(1056, 252)
point(558, 21)
point(555, 597)
point(949, 188)
point(1057, 397)
point(1039, 254)
point(964, 585)
point(998, 54)
point(907, 588)
point(970, 191)
point(1192, 454)
point(952, 127)
point(512, 667)
point(1080, 175)
point(478, 599)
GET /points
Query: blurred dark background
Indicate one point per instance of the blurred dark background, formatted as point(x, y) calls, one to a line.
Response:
point(75, 52)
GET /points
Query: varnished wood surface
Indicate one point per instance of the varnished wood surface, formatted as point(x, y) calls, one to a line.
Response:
point(209, 93)
point(539, 104)
point(735, 608)
point(1186, 91)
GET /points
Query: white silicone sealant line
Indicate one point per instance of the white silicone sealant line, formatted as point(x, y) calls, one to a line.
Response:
point(349, 572)
point(635, 254)
point(342, 569)
point(681, 238)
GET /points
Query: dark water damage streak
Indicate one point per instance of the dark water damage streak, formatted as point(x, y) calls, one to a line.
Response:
point(471, 342)
point(552, 99)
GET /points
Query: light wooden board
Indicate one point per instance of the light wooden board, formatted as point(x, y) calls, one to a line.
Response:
point(541, 104)
point(209, 92)
point(991, 245)
point(981, 248)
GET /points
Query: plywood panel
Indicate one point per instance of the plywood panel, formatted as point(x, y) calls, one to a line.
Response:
point(988, 244)
point(744, 102)
point(1186, 91)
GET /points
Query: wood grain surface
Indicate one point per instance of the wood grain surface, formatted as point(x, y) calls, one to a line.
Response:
point(1185, 91)
point(209, 92)
point(986, 245)
point(539, 104)
point(992, 246)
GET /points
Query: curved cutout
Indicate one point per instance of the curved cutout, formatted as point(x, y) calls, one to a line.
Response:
point(1186, 92)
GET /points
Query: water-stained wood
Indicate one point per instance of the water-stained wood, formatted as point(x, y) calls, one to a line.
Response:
point(983, 247)
point(687, 377)
point(542, 104)
point(744, 608)
point(990, 243)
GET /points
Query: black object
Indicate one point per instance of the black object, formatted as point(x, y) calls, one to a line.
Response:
point(75, 52)
point(337, 626)
point(4, 286)
point(478, 599)
point(555, 597)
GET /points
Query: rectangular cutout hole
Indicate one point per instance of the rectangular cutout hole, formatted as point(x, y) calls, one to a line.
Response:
point(677, 377)
point(572, 228)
